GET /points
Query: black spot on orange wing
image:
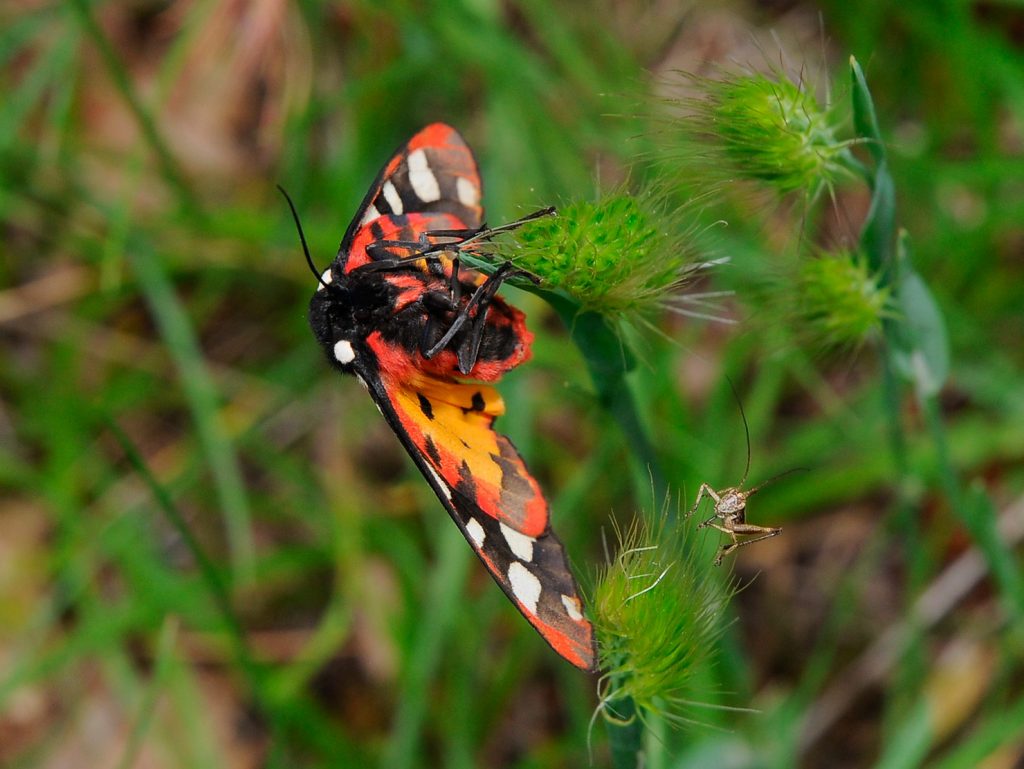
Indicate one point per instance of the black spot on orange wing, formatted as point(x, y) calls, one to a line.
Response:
point(431, 448)
point(467, 484)
point(425, 407)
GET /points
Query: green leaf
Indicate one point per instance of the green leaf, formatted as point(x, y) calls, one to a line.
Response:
point(919, 345)
point(864, 120)
point(878, 233)
point(979, 515)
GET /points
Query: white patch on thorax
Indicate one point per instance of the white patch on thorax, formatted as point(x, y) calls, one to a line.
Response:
point(393, 198)
point(325, 279)
point(468, 193)
point(525, 586)
point(475, 531)
point(572, 608)
point(421, 178)
point(521, 544)
point(344, 352)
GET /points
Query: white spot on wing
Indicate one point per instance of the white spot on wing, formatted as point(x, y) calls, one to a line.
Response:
point(521, 544)
point(525, 586)
point(441, 484)
point(475, 531)
point(572, 608)
point(421, 178)
point(371, 214)
point(393, 198)
point(343, 351)
point(469, 193)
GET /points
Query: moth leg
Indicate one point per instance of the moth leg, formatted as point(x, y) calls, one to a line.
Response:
point(484, 292)
point(455, 286)
point(460, 235)
point(486, 233)
point(469, 350)
point(435, 303)
point(384, 257)
point(384, 249)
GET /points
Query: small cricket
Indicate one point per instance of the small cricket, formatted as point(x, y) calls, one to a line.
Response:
point(731, 505)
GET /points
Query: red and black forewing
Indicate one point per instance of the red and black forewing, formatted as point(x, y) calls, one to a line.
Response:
point(434, 175)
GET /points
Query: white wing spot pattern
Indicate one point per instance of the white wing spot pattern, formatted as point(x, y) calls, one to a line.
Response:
point(475, 531)
point(441, 484)
point(572, 608)
point(421, 178)
point(468, 193)
point(525, 586)
point(520, 544)
point(392, 197)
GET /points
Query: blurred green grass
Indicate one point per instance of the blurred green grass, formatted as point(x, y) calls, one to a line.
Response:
point(150, 277)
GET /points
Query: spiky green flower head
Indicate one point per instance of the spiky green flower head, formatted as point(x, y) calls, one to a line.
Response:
point(622, 256)
point(837, 302)
point(656, 614)
point(772, 130)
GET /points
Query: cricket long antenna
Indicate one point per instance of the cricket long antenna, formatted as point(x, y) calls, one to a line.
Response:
point(302, 238)
point(746, 430)
point(774, 478)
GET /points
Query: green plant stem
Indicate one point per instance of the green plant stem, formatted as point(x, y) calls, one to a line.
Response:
point(151, 698)
point(284, 716)
point(625, 733)
point(203, 400)
point(215, 585)
point(977, 515)
point(608, 361)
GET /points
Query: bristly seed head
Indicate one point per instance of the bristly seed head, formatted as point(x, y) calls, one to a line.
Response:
point(622, 256)
point(837, 303)
point(656, 614)
point(772, 130)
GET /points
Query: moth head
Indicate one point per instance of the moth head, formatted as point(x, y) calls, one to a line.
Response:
point(330, 312)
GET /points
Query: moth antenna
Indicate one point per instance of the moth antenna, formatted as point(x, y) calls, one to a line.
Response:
point(302, 238)
point(746, 430)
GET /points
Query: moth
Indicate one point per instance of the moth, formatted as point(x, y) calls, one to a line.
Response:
point(428, 337)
